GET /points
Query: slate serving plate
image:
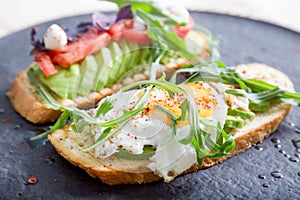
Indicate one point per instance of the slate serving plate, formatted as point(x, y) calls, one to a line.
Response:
point(242, 41)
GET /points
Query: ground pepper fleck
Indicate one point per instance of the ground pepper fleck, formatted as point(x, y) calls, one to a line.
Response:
point(32, 180)
point(6, 120)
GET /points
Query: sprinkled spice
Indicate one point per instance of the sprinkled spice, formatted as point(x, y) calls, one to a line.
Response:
point(32, 180)
point(20, 193)
point(6, 120)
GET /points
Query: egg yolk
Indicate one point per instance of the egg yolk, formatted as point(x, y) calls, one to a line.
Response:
point(201, 94)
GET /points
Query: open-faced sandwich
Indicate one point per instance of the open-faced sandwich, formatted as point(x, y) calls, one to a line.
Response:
point(161, 122)
point(163, 129)
point(80, 66)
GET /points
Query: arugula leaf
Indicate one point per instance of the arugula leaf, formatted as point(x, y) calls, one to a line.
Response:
point(257, 97)
point(108, 133)
point(172, 117)
point(165, 38)
point(78, 123)
point(256, 90)
point(259, 85)
point(50, 102)
point(115, 125)
point(127, 115)
point(103, 135)
point(184, 108)
point(105, 107)
point(166, 111)
point(60, 123)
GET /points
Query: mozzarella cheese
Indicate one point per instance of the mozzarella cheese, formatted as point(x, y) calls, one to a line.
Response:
point(55, 37)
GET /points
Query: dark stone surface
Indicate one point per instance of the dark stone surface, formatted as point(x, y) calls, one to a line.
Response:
point(242, 41)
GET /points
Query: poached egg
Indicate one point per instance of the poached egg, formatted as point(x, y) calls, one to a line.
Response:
point(154, 127)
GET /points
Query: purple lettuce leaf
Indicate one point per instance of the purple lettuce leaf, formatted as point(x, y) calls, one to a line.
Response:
point(72, 34)
point(103, 22)
point(36, 42)
point(124, 13)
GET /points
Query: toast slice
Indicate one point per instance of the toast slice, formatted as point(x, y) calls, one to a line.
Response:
point(115, 170)
point(32, 107)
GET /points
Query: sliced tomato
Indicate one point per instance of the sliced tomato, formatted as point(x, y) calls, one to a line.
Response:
point(116, 31)
point(124, 30)
point(44, 62)
point(182, 31)
point(75, 51)
point(136, 35)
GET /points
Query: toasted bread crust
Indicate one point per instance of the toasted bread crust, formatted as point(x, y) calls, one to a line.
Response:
point(73, 152)
point(70, 147)
point(23, 98)
point(246, 140)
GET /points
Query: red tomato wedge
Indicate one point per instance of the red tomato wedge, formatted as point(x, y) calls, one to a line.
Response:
point(116, 31)
point(136, 35)
point(182, 31)
point(44, 62)
point(126, 31)
point(87, 44)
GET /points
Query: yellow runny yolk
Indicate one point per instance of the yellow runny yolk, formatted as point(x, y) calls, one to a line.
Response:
point(201, 94)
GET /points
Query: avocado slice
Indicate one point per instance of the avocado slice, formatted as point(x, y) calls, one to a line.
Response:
point(64, 83)
point(260, 107)
point(88, 71)
point(145, 56)
point(126, 57)
point(135, 58)
point(113, 71)
point(104, 62)
point(243, 114)
point(135, 54)
point(148, 151)
point(234, 122)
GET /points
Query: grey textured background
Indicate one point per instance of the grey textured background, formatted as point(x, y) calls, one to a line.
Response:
point(242, 41)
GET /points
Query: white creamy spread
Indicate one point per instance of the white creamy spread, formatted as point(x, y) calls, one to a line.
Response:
point(55, 37)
